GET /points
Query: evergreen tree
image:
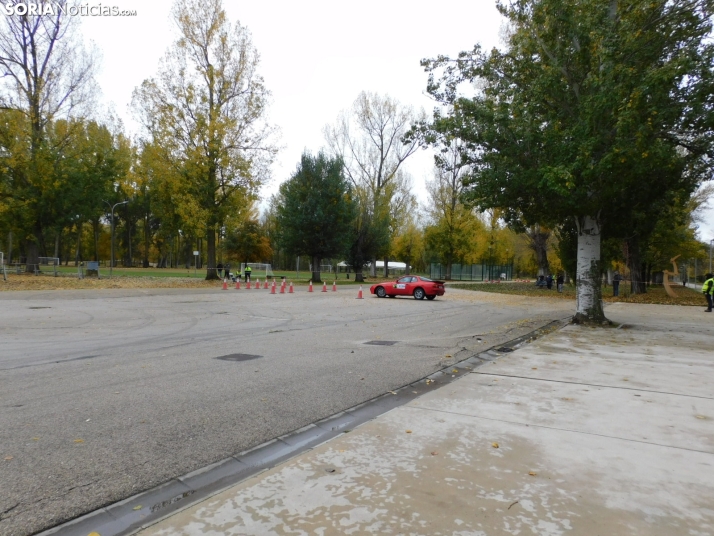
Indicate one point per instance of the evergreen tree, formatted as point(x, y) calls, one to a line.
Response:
point(316, 210)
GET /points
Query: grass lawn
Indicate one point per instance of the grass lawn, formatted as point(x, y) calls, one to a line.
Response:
point(655, 293)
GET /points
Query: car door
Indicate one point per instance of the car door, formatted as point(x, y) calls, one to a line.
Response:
point(411, 285)
point(401, 286)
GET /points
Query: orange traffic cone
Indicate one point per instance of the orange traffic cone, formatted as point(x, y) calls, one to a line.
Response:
point(257, 283)
point(237, 284)
point(282, 288)
point(359, 294)
point(247, 285)
point(225, 285)
point(334, 286)
point(266, 285)
point(272, 289)
point(324, 287)
point(291, 288)
point(309, 288)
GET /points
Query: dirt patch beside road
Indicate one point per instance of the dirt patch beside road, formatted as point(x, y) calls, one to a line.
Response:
point(44, 282)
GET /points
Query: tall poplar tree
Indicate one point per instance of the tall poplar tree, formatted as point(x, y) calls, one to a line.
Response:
point(205, 110)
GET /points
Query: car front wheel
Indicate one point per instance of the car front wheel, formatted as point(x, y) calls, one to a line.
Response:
point(419, 294)
point(380, 292)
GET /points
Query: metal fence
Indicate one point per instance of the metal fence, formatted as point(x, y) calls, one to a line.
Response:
point(472, 272)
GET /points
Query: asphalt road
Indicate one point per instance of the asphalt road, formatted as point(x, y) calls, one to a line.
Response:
point(107, 393)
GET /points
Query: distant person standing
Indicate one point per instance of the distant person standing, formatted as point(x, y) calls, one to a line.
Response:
point(559, 282)
point(219, 269)
point(248, 270)
point(616, 283)
point(549, 282)
point(708, 291)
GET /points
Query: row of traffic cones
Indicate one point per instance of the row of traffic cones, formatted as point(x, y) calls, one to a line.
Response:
point(282, 287)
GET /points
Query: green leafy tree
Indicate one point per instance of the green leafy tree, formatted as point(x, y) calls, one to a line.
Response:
point(316, 210)
point(47, 76)
point(248, 242)
point(592, 111)
point(205, 110)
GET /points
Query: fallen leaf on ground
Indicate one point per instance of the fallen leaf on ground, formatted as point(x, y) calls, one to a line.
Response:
point(701, 417)
point(35, 438)
point(8, 458)
point(455, 371)
point(494, 445)
point(409, 431)
point(532, 473)
point(434, 453)
point(393, 392)
point(535, 368)
point(79, 440)
point(447, 355)
point(137, 507)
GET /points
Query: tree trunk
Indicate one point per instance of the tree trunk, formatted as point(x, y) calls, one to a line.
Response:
point(211, 272)
point(637, 277)
point(33, 251)
point(147, 236)
point(588, 281)
point(539, 244)
point(448, 271)
point(407, 271)
point(78, 251)
point(373, 268)
point(95, 229)
point(9, 247)
point(386, 266)
point(359, 276)
point(316, 269)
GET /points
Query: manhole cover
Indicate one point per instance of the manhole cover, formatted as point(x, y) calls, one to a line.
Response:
point(504, 349)
point(238, 357)
point(382, 343)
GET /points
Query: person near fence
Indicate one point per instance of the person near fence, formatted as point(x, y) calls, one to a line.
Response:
point(616, 283)
point(248, 270)
point(708, 291)
point(559, 282)
point(549, 282)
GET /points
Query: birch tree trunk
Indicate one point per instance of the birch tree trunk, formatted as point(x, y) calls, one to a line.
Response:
point(588, 281)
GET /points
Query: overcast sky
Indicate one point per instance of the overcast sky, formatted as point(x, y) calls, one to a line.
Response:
point(316, 56)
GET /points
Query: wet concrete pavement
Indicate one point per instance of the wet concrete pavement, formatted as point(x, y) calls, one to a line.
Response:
point(108, 393)
point(582, 432)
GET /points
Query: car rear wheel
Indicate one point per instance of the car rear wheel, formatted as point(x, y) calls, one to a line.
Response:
point(431, 297)
point(419, 294)
point(380, 292)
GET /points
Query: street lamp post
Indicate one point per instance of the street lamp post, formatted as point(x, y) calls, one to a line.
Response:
point(111, 260)
point(710, 254)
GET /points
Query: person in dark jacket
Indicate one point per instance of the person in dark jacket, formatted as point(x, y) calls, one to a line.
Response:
point(549, 282)
point(616, 284)
point(559, 282)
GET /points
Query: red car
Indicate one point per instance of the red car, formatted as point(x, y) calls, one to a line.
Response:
point(409, 285)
